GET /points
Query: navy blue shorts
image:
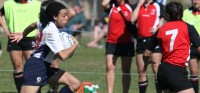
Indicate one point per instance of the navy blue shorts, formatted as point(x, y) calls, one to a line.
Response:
point(172, 77)
point(37, 72)
point(27, 43)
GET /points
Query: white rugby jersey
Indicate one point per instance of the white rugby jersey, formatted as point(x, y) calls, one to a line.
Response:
point(48, 42)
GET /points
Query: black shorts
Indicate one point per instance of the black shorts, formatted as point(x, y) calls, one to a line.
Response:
point(27, 43)
point(125, 49)
point(194, 53)
point(142, 45)
point(172, 77)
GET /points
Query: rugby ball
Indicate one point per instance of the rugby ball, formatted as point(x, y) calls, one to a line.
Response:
point(66, 40)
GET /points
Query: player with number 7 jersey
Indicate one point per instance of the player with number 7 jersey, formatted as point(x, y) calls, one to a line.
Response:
point(175, 42)
point(175, 38)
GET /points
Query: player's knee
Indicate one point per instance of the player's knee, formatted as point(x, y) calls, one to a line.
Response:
point(110, 68)
point(18, 68)
point(76, 85)
point(155, 70)
point(141, 72)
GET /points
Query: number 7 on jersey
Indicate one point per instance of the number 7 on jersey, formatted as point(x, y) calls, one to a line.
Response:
point(174, 33)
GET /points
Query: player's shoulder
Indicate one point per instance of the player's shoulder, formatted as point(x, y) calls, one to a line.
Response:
point(51, 28)
point(190, 27)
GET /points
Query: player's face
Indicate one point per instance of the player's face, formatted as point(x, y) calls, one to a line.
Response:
point(196, 4)
point(62, 18)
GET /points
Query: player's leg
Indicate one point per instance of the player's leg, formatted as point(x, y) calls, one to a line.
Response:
point(194, 66)
point(62, 77)
point(27, 54)
point(143, 82)
point(156, 57)
point(193, 63)
point(126, 52)
point(70, 81)
point(16, 55)
point(110, 65)
point(110, 71)
point(53, 88)
point(30, 89)
point(126, 68)
point(16, 58)
point(190, 90)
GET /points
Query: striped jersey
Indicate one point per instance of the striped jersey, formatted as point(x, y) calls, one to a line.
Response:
point(149, 17)
point(117, 32)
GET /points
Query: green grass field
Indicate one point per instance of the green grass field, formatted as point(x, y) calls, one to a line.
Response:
point(87, 64)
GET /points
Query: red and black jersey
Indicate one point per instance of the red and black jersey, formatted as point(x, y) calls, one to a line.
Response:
point(117, 32)
point(174, 38)
point(149, 17)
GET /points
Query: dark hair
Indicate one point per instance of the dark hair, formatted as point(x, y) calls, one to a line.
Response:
point(126, 1)
point(18, 1)
point(115, 2)
point(52, 10)
point(45, 4)
point(174, 11)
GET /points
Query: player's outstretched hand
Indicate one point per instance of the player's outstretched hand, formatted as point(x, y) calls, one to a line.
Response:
point(146, 62)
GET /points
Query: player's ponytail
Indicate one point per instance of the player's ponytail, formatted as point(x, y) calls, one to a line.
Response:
point(43, 19)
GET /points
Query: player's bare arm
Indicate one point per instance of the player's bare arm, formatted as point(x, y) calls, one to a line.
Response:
point(16, 37)
point(135, 13)
point(105, 4)
point(66, 53)
point(3, 25)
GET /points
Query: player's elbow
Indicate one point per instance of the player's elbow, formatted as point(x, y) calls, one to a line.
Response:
point(63, 56)
point(103, 4)
point(33, 25)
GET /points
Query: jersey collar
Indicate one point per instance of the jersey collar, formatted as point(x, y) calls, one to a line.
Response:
point(194, 11)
